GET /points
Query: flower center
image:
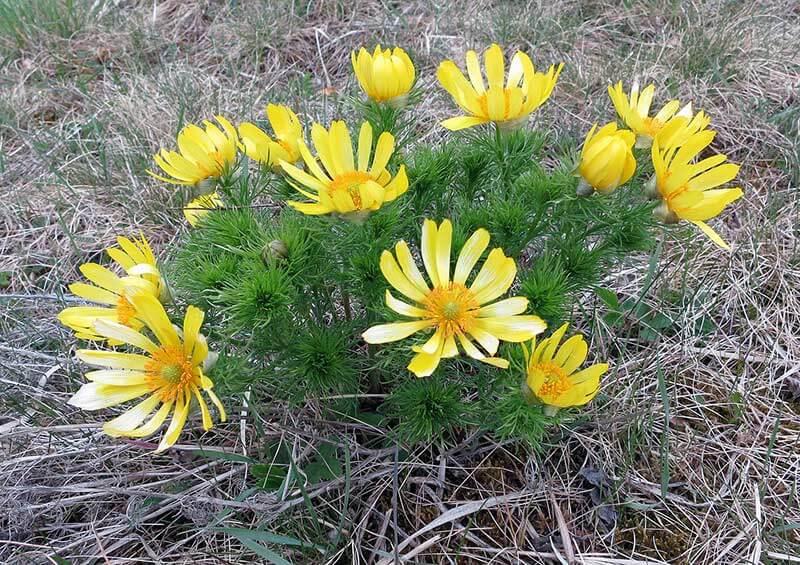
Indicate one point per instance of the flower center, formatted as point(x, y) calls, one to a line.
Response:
point(350, 182)
point(170, 371)
point(125, 311)
point(652, 126)
point(556, 381)
point(483, 101)
point(452, 308)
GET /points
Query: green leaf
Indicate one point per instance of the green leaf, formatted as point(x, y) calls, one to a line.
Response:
point(262, 551)
point(267, 537)
point(224, 455)
point(270, 476)
point(609, 297)
point(5, 279)
point(325, 466)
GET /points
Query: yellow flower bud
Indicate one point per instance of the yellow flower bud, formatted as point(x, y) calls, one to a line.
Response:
point(386, 75)
point(607, 158)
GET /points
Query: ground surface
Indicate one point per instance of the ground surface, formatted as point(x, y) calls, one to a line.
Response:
point(694, 458)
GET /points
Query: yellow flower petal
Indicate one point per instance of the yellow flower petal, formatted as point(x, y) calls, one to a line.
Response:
point(386, 333)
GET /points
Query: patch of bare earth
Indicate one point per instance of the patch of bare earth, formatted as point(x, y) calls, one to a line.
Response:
point(691, 454)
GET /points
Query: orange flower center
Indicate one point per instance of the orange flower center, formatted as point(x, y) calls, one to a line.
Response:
point(556, 381)
point(483, 101)
point(169, 372)
point(350, 182)
point(452, 308)
point(652, 126)
point(125, 311)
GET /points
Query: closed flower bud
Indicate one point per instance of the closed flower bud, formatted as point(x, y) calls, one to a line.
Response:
point(275, 249)
point(651, 190)
point(607, 158)
point(386, 75)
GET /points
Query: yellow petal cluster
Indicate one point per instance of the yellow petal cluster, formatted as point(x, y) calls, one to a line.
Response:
point(506, 101)
point(635, 111)
point(203, 153)
point(169, 373)
point(458, 312)
point(197, 209)
point(679, 129)
point(111, 292)
point(386, 75)
point(337, 181)
point(259, 146)
point(607, 159)
point(688, 189)
point(552, 371)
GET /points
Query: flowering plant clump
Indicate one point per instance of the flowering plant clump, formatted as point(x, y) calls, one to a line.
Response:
point(341, 263)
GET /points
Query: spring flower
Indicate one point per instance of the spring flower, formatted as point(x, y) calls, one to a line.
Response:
point(688, 189)
point(635, 112)
point(347, 186)
point(606, 159)
point(507, 105)
point(198, 208)
point(386, 75)
point(170, 373)
point(679, 129)
point(553, 375)
point(203, 154)
point(111, 292)
point(453, 310)
point(260, 147)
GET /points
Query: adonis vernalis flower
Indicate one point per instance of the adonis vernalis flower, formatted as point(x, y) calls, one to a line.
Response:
point(453, 310)
point(385, 75)
point(344, 184)
point(679, 129)
point(202, 153)
point(198, 208)
point(553, 375)
point(635, 111)
point(259, 146)
point(688, 189)
point(112, 292)
point(505, 104)
point(170, 373)
point(607, 159)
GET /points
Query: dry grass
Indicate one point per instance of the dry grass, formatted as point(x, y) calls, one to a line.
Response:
point(692, 455)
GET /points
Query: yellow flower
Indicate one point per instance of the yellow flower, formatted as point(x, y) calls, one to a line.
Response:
point(552, 371)
point(607, 158)
point(260, 147)
point(679, 129)
point(386, 75)
point(508, 106)
point(635, 112)
point(688, 189)
point(202, 153)
point(170, 373)
point(346, 186)
point(113, 292)
point(450, 307)
point(198, 208)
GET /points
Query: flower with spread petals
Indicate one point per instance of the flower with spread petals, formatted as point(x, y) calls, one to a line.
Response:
point(688, 189)
point(553, 375)
point(607, 159)
point(635, 111)
point(386, 75)
point(337, 182)
point(259, 146)
point(197, 209)
point(111, 292)
point(170, 374)
point(456, 311)
point(507, 105)
point(203, 154)
point(679, 129)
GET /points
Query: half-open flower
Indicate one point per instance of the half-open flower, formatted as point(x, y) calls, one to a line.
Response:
point(345, 184)
point(386, 75)
point(197, 209)
point(458, 312)
point(259, 146)
point(688, 189)
point(679, 129)
point(203, 154)
point(111, 292)
point(169, 374)
point(635, 111)
point(507, 103)
point(552, 371)
point(607, 159)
